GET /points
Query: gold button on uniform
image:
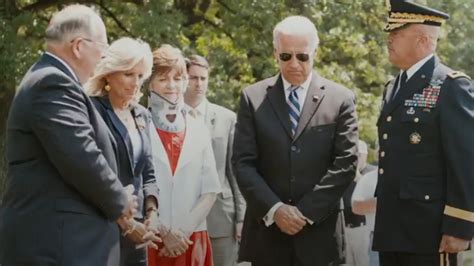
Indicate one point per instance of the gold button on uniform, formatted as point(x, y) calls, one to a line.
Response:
point(416, 120)
point(382, 154)
point(385, 136)
point(389, 118)
point(427, 197)
point(381, 171)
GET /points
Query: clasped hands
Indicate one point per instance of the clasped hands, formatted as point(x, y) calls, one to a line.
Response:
point(175, 241)
point(289, 219)
point(144, 235)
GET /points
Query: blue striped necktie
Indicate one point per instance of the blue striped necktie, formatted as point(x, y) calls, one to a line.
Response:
point(294, 108)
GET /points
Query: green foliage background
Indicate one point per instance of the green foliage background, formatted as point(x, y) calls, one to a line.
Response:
point(236, 36)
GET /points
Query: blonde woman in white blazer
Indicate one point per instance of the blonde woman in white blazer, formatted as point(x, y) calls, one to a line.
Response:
point(185, 167)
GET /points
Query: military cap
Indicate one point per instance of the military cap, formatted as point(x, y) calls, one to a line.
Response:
point(405, 12)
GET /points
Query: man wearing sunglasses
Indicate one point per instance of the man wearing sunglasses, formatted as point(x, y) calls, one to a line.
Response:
point(294, 155)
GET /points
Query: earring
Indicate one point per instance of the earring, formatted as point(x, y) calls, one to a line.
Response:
point(107, 87)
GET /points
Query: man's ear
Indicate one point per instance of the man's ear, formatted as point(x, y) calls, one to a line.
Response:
point(76, 47)
point(275, 54)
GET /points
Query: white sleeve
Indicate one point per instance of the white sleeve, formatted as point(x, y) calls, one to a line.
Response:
point(365, 187)
point(268, 218)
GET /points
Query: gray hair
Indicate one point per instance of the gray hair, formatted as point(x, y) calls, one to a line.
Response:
point(122, 55)
point(70, 22)
point(296, 26)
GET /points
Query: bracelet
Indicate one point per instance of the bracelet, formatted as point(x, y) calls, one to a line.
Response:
point(129, 231)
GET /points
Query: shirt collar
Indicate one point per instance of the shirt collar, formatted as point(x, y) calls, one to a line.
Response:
point(65, 64)
point(304, 86)
point(201, 108)
point(413, 69)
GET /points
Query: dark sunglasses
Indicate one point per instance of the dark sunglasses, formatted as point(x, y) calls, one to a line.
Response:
point(300, 56)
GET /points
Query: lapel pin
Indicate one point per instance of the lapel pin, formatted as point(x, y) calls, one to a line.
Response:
point(423, 76)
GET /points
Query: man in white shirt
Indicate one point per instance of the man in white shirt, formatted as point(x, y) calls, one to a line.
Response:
point(224, 222)
point(294, 155)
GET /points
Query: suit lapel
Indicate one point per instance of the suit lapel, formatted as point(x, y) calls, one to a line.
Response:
point(140, 122)
point(313, 99)
point(417, 82)
point(210, 117)
point(276, 97)
point(122, 130)
point(119, 127)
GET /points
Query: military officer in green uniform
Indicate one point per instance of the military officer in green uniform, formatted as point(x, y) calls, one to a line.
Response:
point(425, 191)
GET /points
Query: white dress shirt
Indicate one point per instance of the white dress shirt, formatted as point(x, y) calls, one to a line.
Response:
point(199, 112)
point(413, 69)
point(410, 72)
point(302, 91)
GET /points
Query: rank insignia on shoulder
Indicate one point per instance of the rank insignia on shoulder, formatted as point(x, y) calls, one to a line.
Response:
point(458, 74)
point(415, 138)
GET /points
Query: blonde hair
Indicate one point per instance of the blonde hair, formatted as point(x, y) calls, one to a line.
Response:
point(167, 58)
point(122, 55)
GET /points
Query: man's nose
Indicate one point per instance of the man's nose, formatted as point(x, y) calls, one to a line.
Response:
point(294, 61)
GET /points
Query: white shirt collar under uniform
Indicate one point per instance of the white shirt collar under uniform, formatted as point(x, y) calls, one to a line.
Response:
point(302, 91)
point(413, 69)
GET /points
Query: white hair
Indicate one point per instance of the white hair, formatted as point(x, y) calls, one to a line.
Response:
point(122, 55)
point(431, 32)
point(70, 22)
point(296, 26)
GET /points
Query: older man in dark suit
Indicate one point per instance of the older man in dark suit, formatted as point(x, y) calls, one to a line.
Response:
point(63, 197)
point(294, 155)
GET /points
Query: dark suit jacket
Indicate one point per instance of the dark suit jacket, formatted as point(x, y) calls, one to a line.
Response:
point(310, 170)
point(142, 175)
point(426, 172)
point(62, 194)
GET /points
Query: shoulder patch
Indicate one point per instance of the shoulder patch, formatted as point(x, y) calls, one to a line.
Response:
point(458, 74)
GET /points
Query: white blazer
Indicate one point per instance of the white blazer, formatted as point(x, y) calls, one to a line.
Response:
point(195, 174)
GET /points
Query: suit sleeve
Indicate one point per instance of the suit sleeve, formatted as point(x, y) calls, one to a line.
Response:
point(60, 120)
point(150, 187)
point(322, 200)
point(244, 160)
point(457, 132)
point(239, 201)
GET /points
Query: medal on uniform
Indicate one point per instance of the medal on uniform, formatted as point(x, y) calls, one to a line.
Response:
point(411, 111)
point(415, 138)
